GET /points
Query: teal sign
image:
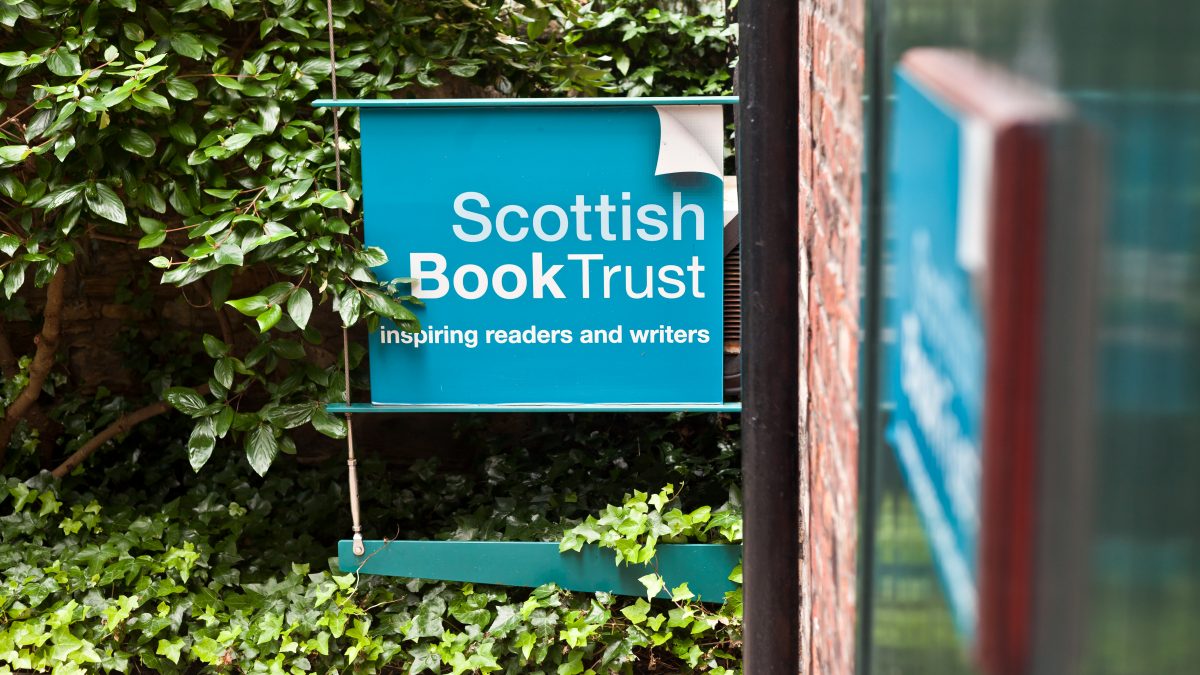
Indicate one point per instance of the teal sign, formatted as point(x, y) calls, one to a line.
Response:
point(936, 364)
point(565, 252)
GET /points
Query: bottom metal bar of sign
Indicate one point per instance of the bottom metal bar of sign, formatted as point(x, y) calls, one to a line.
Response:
point(704, 567)
point(340, 408)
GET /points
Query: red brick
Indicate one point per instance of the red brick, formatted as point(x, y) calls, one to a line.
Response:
point(831, 60)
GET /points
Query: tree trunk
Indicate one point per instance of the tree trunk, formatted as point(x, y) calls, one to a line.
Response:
point(43, 359)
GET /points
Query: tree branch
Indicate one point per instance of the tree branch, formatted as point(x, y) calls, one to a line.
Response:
point(48, 429)
point(43, 357)
point(122, 425)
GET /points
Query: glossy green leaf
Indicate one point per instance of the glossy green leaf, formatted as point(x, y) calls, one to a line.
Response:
point(681, 593)
point(14, 153)
point(251, 306)
point(464, 70)
point(172, 649)
point(138, 142)
point(63, 62)
point(349, 307)
point(291, 416)
point(237, 141)
point(299, 306)
point(214, 347)
point(288, 349)
point(268, 318)
point(228, 254)
point(373, 256)
point(223, 6)
point(153, 239)
point(103, 201)
point(261, 448)
point(185, 400)
point(13, 58)
point(336, 200)
point(653, 584)
point(182, 132)
point(187, 45)
point(150, 101)
point(223, 372)
point(9, 243)
point(182, 89)
point(201, 443)
point(63, 145)
point(327, 424)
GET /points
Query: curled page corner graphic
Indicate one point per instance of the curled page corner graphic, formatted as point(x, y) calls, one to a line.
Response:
point(976, 158)
point(691, 140)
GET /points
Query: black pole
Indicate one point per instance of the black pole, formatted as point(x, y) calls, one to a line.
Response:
point(870, 418)
point(768, 138)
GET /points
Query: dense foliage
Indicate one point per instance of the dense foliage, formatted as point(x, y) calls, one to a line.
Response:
point(180, 130)
point(155, 568)
point(183, 128)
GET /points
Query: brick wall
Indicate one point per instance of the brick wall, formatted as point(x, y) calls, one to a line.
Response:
point(831, 146)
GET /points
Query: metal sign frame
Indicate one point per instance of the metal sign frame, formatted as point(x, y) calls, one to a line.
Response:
point(705, 567)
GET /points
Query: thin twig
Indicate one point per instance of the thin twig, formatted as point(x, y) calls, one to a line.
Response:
point(15, 116)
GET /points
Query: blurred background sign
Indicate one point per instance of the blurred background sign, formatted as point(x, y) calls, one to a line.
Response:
point(973, 318)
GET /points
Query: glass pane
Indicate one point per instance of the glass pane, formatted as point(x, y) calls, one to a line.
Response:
point(1132, 71)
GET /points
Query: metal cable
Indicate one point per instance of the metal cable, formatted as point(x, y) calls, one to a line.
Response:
point(351, 461)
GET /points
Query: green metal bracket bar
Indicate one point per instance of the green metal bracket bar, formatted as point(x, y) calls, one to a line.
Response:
point(342, 408)
point(521, 102)
point(704, 567)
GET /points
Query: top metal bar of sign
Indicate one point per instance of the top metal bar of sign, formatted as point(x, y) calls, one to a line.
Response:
point(341, 408)
point(521, 102)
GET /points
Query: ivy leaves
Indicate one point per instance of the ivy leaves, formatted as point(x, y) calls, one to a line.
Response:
point(634, 529)
point(196, 575)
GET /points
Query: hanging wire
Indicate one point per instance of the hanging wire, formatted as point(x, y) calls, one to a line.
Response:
point(351, 460)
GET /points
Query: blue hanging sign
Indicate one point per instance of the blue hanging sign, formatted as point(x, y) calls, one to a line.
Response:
point(566, 251)
point(936, 368)
point(970, 188)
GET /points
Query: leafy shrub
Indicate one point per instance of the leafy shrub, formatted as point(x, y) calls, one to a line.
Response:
point(182, 128)
point(192, 572)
